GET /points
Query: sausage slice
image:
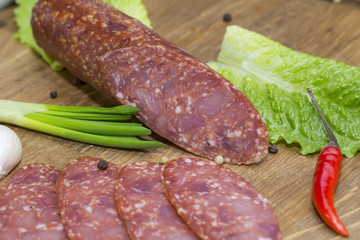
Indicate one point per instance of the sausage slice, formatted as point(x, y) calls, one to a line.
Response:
point(216, 203)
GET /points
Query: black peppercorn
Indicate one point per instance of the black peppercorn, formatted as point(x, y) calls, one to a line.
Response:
point(2, 23)
point(102, 165)
point(53, 94)
point(227, 17)
point(273, 149)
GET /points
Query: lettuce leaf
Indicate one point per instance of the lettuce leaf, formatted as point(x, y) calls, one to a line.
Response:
point(275, 78)
point(133, 8)
point(24, 33)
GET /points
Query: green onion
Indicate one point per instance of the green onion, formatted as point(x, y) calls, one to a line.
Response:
point(92, 125)
point(89, 116)
point(123, 109)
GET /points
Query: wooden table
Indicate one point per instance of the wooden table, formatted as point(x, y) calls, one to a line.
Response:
point(316, 27)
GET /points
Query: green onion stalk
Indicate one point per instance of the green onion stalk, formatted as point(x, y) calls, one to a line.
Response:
point(93, 125)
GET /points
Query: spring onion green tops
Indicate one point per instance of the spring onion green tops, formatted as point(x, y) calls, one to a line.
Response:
point(94, 125)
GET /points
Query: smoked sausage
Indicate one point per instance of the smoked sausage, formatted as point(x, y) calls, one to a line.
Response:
point(85, 197)
point(216, 203)
point(144, 207)
point(28, 207)
point(180, 97)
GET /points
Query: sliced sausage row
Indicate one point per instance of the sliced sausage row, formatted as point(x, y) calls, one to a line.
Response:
point(187, 198)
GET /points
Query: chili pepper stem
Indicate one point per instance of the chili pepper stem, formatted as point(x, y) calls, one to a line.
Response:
point(332, 138)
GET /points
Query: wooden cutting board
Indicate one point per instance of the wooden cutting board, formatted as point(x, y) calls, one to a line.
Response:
point(316, 27)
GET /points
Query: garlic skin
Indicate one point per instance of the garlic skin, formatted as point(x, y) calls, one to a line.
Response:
point(10, 150)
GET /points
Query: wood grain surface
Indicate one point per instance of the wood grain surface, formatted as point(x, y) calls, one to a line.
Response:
point(316, 27)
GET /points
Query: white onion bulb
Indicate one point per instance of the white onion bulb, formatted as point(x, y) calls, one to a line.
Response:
point(10, 150)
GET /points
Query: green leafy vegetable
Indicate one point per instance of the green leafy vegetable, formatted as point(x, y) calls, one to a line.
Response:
point(84, 124)
point(275, 78)
point(24, 33)
point(133, 8)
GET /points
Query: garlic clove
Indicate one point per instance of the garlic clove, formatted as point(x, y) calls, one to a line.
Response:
point(10, 150)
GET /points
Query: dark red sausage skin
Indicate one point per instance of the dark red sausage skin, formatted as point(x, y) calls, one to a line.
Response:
point(180, 97)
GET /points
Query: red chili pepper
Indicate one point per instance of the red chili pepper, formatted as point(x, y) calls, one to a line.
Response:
point(326, 177)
